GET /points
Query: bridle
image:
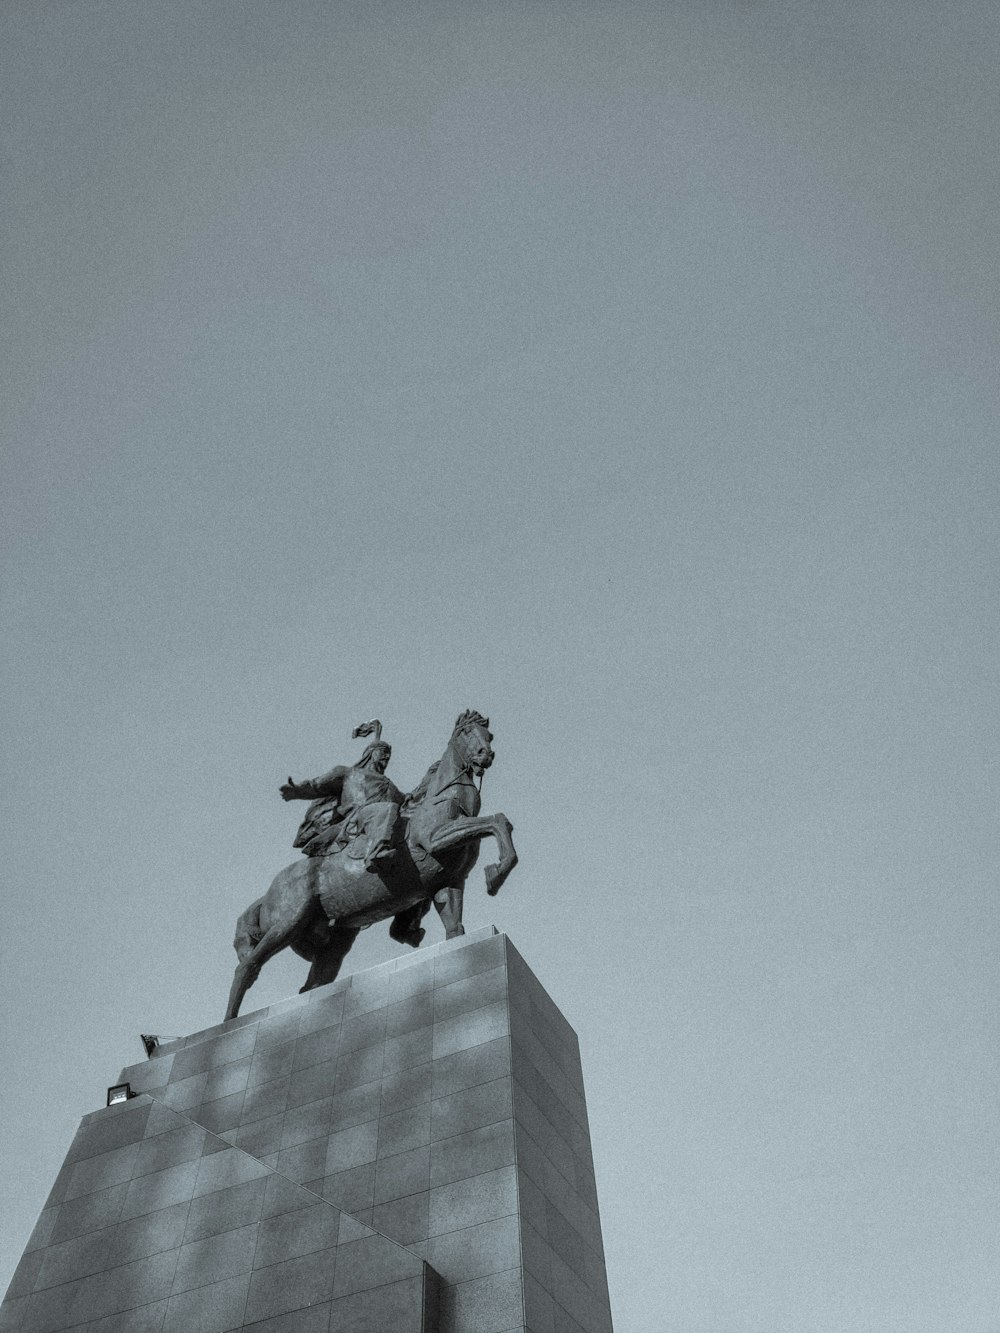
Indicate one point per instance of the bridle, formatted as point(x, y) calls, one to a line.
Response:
point(464, 772)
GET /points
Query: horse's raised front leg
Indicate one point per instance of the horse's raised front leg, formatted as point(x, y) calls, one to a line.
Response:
point(473, 828)
point(496, 874)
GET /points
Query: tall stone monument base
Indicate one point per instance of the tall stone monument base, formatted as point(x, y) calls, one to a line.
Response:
point(403, 1151)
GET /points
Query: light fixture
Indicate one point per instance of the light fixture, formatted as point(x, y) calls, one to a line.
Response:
point(151, 1044)
point(120, 1092)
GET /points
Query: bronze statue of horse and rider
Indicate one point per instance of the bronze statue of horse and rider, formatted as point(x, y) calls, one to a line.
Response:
point(372, 853)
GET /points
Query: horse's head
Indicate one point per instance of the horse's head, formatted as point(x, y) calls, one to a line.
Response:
point(471, 740)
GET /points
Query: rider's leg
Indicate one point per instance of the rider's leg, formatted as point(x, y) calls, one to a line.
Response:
point(380, 820)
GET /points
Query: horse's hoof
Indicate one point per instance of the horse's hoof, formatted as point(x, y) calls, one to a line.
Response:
point(410, 937)
point(454, 933)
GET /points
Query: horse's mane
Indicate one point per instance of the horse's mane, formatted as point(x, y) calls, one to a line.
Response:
point(420, 790)
point(470, 718)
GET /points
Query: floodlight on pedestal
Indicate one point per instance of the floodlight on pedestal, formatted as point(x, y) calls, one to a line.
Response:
point(120, 1092)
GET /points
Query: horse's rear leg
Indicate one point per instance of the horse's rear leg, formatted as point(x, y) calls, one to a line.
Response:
point(248, 968)
point(449, 908)
point(327, 963)
point(248, 931)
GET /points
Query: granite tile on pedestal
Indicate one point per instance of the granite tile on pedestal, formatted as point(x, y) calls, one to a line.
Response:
point(201, 1236)
point(404, 1149)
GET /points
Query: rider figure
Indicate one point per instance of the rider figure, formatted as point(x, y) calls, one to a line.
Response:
point(351, 802)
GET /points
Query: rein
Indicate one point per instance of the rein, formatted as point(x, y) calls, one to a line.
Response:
point(463, 778)
point(457, 782)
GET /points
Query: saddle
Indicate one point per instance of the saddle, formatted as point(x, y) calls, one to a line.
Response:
point(320, 829)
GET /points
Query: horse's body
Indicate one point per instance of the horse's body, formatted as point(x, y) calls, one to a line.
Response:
point(317, 905)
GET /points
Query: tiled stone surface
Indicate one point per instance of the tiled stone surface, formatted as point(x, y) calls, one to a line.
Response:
point(199, 1238)
point(565, 1280)
point(314, 1167)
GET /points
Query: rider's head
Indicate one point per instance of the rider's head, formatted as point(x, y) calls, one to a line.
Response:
point(376, 756)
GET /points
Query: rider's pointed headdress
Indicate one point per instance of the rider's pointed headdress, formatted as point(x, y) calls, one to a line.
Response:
point(366, 729)
point(374, 727)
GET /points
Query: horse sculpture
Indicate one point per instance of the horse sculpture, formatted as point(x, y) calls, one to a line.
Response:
point(318, 905)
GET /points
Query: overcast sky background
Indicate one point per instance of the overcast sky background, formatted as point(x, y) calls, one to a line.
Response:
point(628, 373)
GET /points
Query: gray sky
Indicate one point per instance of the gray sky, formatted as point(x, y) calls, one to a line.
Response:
point(625, 372)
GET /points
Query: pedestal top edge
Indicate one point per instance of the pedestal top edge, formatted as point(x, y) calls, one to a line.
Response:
point(415, 958)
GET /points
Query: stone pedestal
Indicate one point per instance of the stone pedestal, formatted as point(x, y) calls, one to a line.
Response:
point(403, 1151)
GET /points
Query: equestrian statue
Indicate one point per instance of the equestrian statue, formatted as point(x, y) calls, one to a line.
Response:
point(371, 853)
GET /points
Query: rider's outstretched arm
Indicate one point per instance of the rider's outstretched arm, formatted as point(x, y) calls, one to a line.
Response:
point(330, 784)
